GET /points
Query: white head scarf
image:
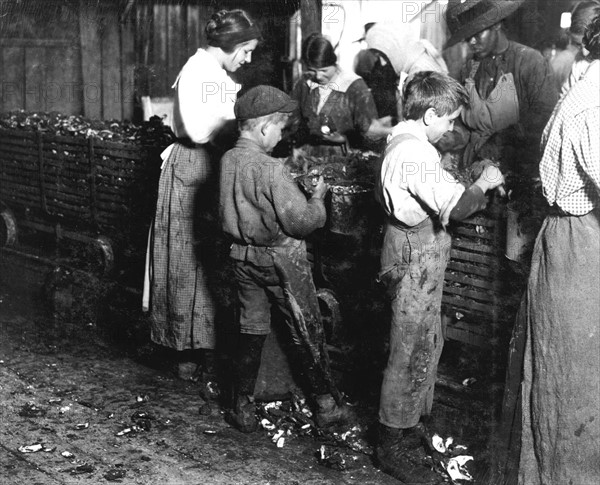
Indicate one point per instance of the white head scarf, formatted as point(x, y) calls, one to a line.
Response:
point(406, 53)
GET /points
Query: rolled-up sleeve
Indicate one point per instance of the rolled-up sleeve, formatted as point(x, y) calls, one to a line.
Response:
point(297, 216)
point(431, 185)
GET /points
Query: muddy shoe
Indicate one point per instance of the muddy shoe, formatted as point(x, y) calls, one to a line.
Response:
point(399, 454)
point(210, 394)
point(329, 413)
point(243, 416)
point(209, 388)
point(186, 370)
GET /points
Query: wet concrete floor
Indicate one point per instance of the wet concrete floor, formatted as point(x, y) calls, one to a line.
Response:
point(76, 398)
point(75, 395)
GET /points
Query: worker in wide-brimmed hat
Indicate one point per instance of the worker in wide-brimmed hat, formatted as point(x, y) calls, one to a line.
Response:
point(511, 86)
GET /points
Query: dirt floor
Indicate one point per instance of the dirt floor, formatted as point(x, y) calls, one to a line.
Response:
point(96, 412)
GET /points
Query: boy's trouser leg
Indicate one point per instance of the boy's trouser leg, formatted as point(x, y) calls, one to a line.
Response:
point(416, 340)
point(414, 263)
point(247, 366)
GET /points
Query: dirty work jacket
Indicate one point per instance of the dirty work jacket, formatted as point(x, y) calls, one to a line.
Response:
point(261, 205)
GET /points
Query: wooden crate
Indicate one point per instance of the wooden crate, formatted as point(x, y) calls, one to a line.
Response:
point(87, 184)
point(474, 286)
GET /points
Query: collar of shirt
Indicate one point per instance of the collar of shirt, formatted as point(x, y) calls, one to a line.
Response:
point(248, 144)
point(341, 81)
point(411, 127)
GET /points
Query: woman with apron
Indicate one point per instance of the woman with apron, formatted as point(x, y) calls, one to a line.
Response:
point(177, 291)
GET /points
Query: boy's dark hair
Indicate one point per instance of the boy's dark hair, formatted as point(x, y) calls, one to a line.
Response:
point(430, 89)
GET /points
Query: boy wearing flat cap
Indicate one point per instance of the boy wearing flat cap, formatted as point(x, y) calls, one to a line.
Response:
point(266, 214)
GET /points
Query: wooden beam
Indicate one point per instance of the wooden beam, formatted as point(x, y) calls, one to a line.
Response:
point(127, 68)
point(159, 84)
point(195, 29)
point(10, 42)
point(311, 12)
point(176, 50)
point(90, 59)
point(12, 76)
point(111, 66)
point(35, 79)
point(63, 80)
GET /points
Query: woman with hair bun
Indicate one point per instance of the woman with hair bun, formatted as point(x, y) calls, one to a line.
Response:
point(176, 291)
point(336, 106)
point(581, 15)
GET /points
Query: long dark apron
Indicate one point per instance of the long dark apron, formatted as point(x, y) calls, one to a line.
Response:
point(299, 291)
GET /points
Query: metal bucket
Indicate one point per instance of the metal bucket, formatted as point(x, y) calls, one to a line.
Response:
point(351, 203)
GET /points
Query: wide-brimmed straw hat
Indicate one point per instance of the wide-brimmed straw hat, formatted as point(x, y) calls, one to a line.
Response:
point(467, 17)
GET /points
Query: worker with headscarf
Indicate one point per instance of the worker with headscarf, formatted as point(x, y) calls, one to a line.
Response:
point(406, 55)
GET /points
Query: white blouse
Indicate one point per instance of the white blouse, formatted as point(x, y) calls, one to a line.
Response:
point(205, 98)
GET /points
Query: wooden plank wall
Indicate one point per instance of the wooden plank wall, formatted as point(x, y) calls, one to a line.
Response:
point(89, 72)
point(117, 51)
point(167, 35)
point(106, 32)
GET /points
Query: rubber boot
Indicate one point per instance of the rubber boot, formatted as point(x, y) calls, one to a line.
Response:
point(329, 413)
point(400, 454)
point(243, 414)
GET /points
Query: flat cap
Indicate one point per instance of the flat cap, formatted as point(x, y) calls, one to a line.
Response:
point(261, 101)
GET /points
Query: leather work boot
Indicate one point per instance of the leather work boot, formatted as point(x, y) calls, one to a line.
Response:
point(400, 454)
point(329, 413)
point(243, 415)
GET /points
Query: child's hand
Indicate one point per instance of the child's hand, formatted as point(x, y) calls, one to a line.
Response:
point(490, 178)
point(321, 188)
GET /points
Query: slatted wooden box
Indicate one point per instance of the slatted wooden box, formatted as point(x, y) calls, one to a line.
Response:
point(86, 184)
point(475, 286)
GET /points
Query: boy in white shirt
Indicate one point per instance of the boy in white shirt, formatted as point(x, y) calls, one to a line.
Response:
point(419, 198)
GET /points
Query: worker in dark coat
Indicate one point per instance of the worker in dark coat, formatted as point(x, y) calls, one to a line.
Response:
point(511, 86)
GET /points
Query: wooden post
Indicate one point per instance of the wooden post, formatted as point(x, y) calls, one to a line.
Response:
point(112, 89)
point(127, 69)
point(90, 59)
point(311, 15)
